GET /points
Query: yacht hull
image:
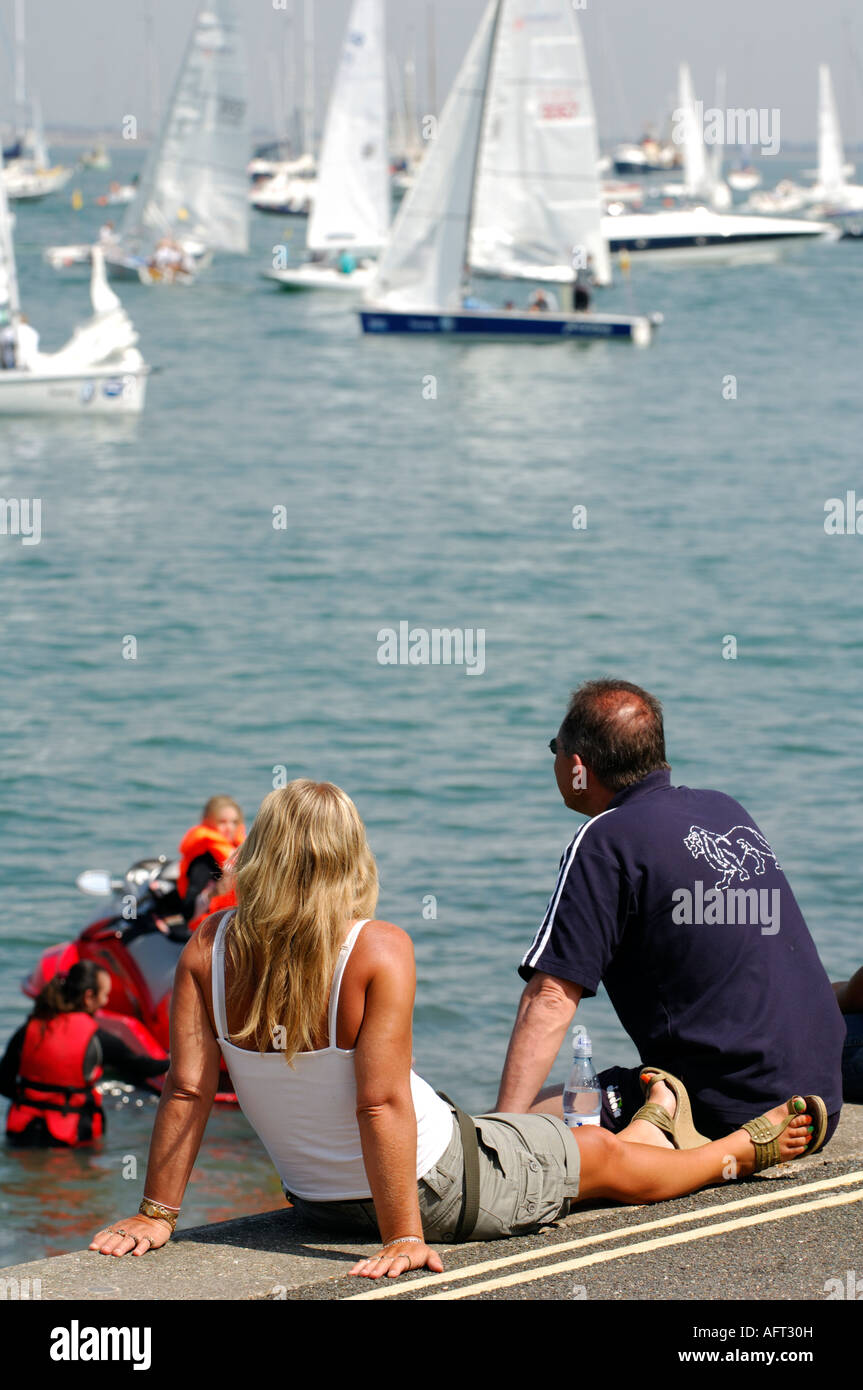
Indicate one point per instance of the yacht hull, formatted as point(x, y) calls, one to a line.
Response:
point(323, 278)
point(100, 391)
point(505, 325)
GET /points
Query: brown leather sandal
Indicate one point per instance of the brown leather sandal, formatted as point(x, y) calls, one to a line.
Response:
point(679, 1127)
point(765, 1135)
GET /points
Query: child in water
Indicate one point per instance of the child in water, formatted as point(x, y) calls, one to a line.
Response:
point(204, 852)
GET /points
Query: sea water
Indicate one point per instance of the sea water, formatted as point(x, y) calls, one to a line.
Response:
point(291, 491)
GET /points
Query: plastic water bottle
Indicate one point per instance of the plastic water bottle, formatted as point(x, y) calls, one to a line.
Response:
point(582, 1098)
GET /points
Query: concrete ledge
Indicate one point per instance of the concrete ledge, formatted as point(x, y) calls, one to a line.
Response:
point(276, 1255)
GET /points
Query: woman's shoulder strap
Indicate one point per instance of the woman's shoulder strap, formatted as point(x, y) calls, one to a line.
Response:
point(218, 976)
point(348, 945)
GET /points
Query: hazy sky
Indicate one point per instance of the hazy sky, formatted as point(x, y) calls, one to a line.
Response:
point(88, 58)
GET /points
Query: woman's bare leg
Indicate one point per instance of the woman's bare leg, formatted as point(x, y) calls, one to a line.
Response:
point(642, 1131)
point(627, 1171)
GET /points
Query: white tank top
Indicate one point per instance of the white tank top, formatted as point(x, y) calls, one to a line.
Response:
point(305, 1115)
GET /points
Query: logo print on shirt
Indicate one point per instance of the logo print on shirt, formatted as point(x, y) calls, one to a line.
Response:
point(732, 855)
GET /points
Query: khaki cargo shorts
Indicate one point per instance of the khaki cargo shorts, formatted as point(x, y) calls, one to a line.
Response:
point(528, 1174)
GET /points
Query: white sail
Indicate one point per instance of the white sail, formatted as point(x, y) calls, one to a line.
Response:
point(194, 186)
point(538, 193)
point(352, 199)
point(424, 265)
point(831, 157)
point(10, 302)
point(691, 135)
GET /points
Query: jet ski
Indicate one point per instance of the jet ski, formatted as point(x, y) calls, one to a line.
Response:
point(139, 943)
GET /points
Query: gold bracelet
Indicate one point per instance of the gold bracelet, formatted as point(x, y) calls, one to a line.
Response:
point(157, 1212)
point(162, 1204)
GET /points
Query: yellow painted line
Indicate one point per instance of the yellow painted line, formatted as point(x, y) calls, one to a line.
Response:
point(392, 1288)
point(531, 1276)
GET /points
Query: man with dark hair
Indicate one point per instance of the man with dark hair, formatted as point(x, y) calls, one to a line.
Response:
point(674, 900)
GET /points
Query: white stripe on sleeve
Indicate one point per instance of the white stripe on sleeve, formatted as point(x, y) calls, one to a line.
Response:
point(540, 941)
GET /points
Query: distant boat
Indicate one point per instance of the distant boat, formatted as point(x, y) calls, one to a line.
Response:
point(831, 196)
point(687, 236)
point(267, 159)
point(702, 180)
point(508, 186)
point(351, 212)
point(192, 197)
point(834, 198)
point(744, 177)
point(29, 174)
point(649, 156)
point(97, 158)
point(98, 372)
point(290, 191)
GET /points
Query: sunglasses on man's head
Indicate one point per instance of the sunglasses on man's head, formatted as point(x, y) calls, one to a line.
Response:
point(553, 745)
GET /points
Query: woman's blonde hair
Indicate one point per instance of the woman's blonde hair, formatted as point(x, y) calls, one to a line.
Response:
point(304, 871)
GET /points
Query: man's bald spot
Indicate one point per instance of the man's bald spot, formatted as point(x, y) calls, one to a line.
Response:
point(615, 727)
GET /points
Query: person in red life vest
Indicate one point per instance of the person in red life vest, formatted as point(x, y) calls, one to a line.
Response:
point(53, 1062)
point(204, 852)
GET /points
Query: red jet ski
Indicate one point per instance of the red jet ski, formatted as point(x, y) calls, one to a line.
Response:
point(139, 944)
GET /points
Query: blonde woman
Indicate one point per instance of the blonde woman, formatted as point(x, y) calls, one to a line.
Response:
point(310, 1001)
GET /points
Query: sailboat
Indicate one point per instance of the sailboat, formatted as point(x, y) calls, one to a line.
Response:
point(99, 371)
point(350, 216)
point(192, 196)
point(830, 196)
point(191, 200)
point(509, 186)
point(834, 198)
point(29, 174)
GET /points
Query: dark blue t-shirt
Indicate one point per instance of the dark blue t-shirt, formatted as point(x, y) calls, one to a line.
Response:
point(675, 901)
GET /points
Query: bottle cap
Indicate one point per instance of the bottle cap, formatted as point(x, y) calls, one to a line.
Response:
point(581, 1045)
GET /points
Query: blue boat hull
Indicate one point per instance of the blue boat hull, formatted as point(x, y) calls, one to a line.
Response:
point(505, 324)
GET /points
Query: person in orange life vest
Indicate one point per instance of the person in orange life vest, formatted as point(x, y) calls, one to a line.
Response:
point(53, 1062)
point(204, 851)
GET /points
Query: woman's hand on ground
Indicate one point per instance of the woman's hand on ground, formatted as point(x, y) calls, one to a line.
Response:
point(133, 1236)
point(398, 1259)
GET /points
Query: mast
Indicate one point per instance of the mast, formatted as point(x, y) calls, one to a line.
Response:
point(431, 40)
point(309, 78)
point(20, 68)
point(152, 71)
point(410, 109)
point(478, 148)
point(717, 151)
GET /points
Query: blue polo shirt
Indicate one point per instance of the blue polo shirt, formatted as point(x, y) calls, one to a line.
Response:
point(675, 901)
